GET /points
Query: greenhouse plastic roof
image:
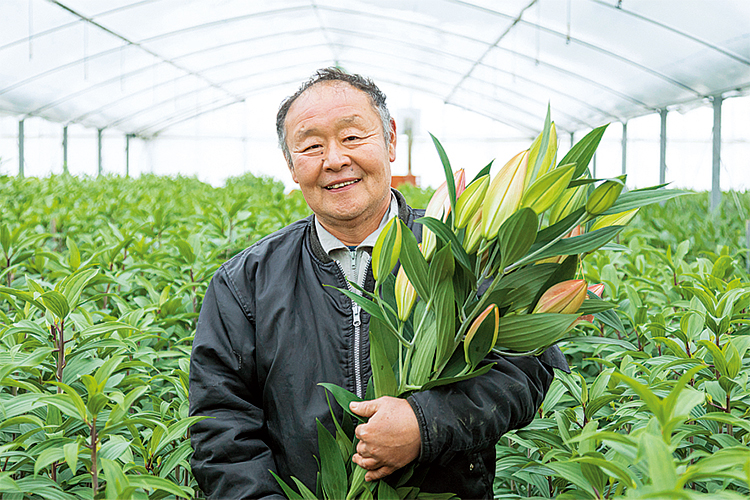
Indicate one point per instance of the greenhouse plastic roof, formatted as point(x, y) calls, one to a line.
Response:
point(143, 66)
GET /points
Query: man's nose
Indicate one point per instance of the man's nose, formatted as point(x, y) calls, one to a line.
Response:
point(336, 157)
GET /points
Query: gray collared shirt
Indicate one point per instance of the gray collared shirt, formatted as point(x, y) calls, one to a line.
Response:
point(354, 262)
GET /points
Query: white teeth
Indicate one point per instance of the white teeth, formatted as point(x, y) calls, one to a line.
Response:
point(340, 184)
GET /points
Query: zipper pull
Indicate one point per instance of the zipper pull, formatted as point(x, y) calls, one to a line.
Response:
point(356, 308)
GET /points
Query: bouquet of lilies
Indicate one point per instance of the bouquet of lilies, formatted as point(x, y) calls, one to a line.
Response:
point(495, 270)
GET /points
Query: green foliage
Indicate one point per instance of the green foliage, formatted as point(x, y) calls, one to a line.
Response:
point(101, 282)
point(657, 405)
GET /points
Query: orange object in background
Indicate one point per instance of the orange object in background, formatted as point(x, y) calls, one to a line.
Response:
point(397, 180)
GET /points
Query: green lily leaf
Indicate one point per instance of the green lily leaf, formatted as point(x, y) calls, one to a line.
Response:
point(448, 172)
point(332, 467)
point(529, 332)
point(516, 235)
point(582, 152)
point(443, 232)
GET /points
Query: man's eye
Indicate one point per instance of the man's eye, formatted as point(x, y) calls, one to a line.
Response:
point(352, 138)
point(312, 147)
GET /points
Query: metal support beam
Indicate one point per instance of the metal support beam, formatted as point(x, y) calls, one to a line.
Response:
point(99, 141)
point(127, 154)
point(593, 166)
point(65, 150)
point(624, 145)
point(663, 147)
point(20, 148)
point(715, 184)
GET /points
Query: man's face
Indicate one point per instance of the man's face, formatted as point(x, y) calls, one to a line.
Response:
point(339, 155)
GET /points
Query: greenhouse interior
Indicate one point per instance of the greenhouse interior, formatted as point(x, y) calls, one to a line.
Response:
point(584, 166)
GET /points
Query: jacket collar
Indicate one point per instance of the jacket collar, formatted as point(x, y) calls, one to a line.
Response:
point(404, 213)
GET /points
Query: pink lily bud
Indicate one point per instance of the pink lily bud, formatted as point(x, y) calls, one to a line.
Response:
point(565, 298)
point(471, 201)
point(477, 323)
point(597, 289)
point(504, 194)
point(438, 208)
point(406, 296)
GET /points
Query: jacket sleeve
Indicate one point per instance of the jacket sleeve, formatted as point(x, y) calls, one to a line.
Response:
point(231, 457)
point(471, 415)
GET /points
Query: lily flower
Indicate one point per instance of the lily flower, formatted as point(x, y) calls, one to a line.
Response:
point(470, 201)
point(406, 296)
point(565, 298)
point(477, 323)
point(504, 194)
point(604, 196)
point(438, 208)
point(597, 289)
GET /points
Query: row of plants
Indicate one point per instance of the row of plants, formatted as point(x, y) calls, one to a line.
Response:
point(656, 405)
point(101, 281)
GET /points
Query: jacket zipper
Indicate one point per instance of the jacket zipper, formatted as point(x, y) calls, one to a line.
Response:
point(357, 323)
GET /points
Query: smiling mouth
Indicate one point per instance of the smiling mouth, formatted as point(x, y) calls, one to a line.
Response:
point(341, 184)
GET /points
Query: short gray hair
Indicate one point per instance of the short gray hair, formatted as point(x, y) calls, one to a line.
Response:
point(333, 74)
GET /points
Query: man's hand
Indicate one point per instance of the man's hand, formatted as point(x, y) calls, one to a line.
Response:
point(389, 440)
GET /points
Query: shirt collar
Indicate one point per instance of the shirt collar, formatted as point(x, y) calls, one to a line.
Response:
point(329, 242)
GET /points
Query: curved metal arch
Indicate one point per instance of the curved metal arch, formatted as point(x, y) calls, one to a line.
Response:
point(416, 77)
point(107, 52)
point(347, 11)
point(391, 19)
point(737, 57)
point(250, 75)
point(587, 45)
point(193, 91)
point(109, 81)
point(441, 53)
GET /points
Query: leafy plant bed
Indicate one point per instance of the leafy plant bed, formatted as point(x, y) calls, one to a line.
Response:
point(101, 281)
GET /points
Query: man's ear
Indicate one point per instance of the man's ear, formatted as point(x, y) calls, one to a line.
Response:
point(294, 174)
point(392, 142)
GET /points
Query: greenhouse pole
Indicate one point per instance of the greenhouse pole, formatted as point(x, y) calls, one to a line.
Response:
point(624, 147)
point(99, 140)
point(127, 154)
point(65, 150)
point(715, 185)
point(593, 166)
point(663, 146)
point(20, 148)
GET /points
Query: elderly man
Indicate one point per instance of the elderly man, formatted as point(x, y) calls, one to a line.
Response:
point(270, 330)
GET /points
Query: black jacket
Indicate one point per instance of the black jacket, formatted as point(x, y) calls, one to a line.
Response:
point(269, 332)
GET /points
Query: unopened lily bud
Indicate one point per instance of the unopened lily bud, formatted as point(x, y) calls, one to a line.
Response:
point(504, 194)
point(405, 295)
point(438, 208)
point(549, 156)
point(565, 298)
point(604, 196)
point(484, 316)
point(473, 235)
point(548, 188)
point(389, 240)
point(596, 289)
point(471, 200)
point(620, 219)
point(570, 200)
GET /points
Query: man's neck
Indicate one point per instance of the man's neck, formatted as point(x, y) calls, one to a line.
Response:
point(355, 232)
